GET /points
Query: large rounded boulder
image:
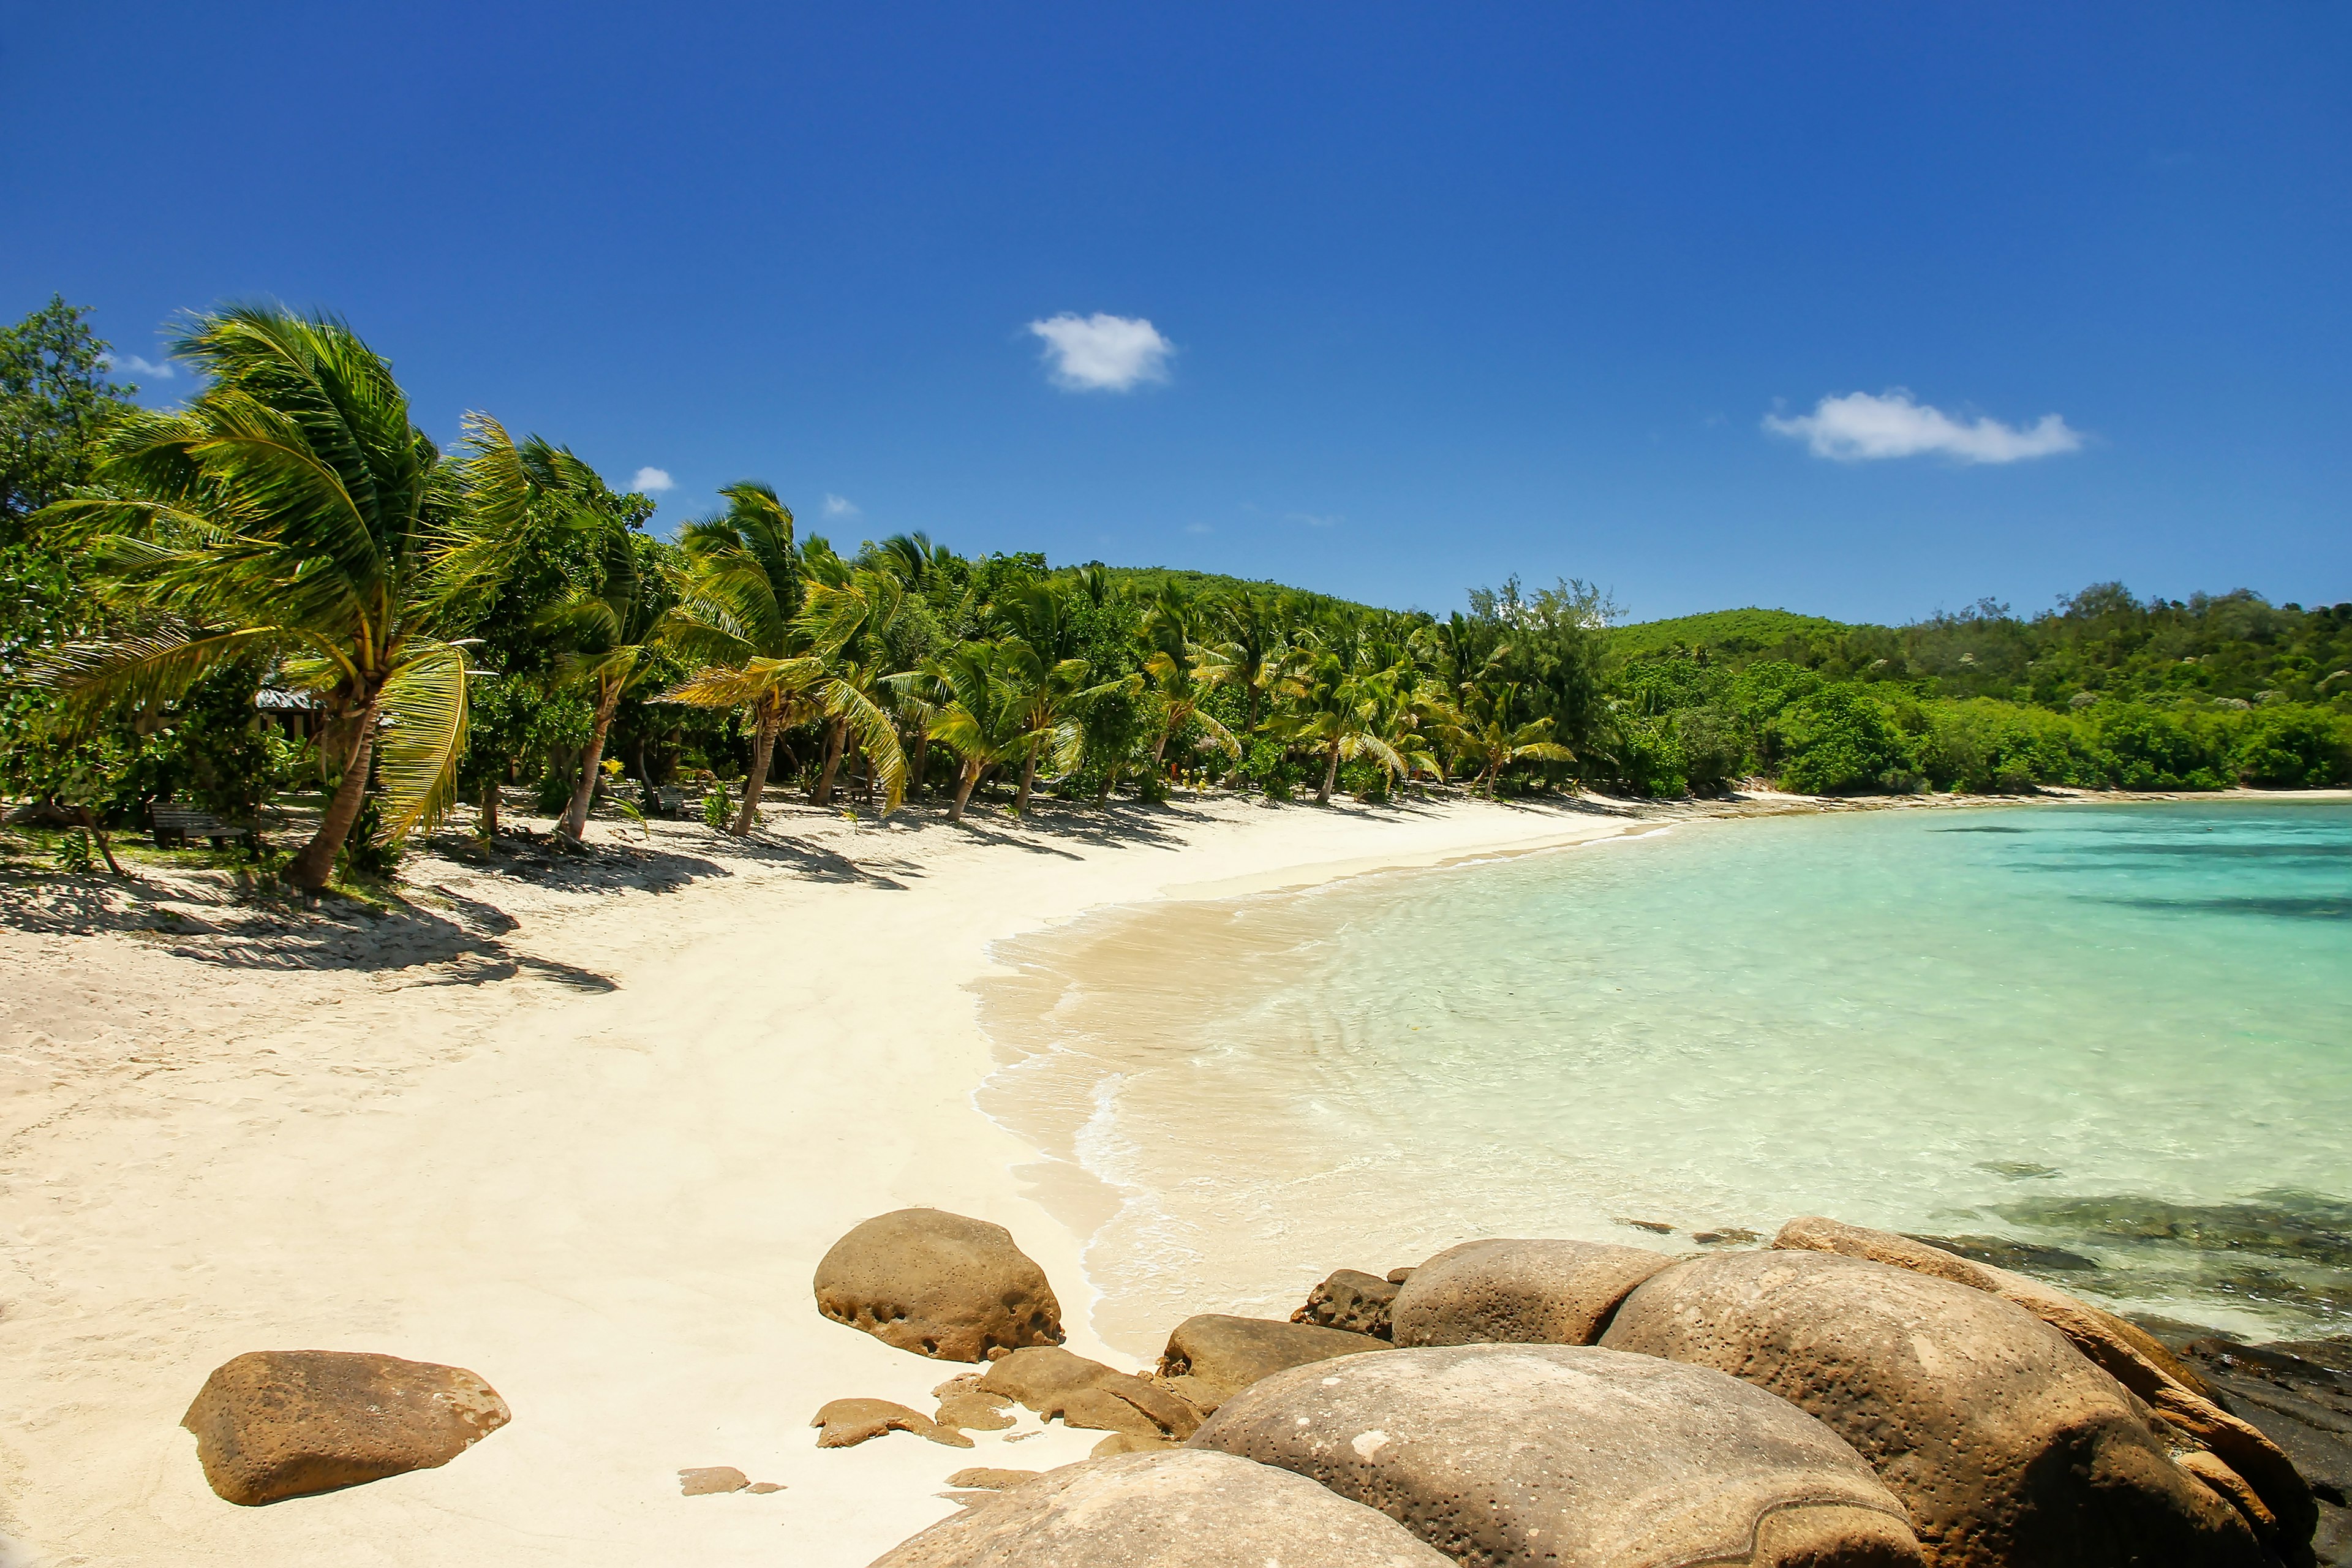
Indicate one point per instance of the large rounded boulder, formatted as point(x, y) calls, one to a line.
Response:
point(1513, 1455)
point(939, 1285)
point(1178, 1507)
point(2010, 1449)
point(1502, 1291)
point(2242, 1463)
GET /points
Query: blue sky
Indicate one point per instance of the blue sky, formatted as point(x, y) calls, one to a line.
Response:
point(1445, 292)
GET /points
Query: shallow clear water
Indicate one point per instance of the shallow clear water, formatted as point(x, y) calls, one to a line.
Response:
point(2120, 1033)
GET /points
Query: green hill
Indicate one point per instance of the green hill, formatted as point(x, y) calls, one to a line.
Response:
point(1732, 632)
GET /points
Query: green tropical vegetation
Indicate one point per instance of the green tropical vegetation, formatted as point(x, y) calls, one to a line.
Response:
point(283, 593)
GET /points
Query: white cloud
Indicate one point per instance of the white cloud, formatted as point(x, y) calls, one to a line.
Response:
point(652, 481)
point(840, 506)
point(1859, 426)
point(1103, 353)
point(1314, 520)
point(138, 366)
point(1198, 528)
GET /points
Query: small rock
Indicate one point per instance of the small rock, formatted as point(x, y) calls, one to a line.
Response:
point(1212, 1357)
point(1053, 1382)
point(974, 1413)
point(279, 1423)
point(1399, 1276)
point(1179, 1508)
point(1728, 1235)
point(761, 1489)
point(1518, 1292)
point(939, 1285)
point(1657, 1227)
point(849, 1422)
point(710, 1480)
point(988, 1479)
point(1357, 1302)
point(1127, 1443)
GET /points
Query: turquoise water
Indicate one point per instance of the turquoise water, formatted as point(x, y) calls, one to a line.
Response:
point(2119, 1035)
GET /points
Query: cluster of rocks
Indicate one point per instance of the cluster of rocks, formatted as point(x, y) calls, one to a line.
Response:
point(1846, 1398)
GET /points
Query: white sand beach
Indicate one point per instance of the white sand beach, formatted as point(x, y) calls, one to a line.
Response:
point(594, 1158)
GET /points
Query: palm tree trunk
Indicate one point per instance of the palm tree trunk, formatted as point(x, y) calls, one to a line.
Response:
point(835, 732)
point(316, 863)
point(575, 815)
point(98, 837)
point(1028, 777)
point(1330, 776)
point(490, 810)
point(967, 777)
point(755, 783)
point(922, 756)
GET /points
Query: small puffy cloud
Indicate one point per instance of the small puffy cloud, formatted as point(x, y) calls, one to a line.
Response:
point(1316, 519)
point(840, 506)
point(652, 481)
point(1859, 426)
point(138, 366)
point(1198, 528)
point(1103, 353)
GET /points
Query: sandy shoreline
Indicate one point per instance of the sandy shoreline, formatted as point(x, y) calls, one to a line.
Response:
point(584, 1127)
point(594, 1158)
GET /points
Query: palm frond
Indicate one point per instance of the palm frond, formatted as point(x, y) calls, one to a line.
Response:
point(416, 758)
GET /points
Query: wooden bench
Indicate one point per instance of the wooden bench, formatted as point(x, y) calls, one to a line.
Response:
point(175, 824)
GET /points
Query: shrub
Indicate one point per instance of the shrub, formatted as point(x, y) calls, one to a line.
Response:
point(1836, 742)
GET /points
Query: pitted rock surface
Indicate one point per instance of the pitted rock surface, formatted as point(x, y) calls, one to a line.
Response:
point(2266, 1487)
point(2010, 1449)
point(939, 1285)
point(282, 1424)
point(1501, 1291)
point(1355, 1301)
point(1056, 1383)
point(1212, 1357)
point(1514, 1456)
point(1178, 1507)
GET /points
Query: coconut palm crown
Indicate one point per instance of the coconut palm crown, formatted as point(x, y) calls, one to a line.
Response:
point(294, 512)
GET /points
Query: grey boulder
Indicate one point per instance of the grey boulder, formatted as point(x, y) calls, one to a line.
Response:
point(2009, 1449)
point(1352, 1301)
point(939, 1285)
point(1179, 1508)
point(1513, 1455)
point(1502, 1291)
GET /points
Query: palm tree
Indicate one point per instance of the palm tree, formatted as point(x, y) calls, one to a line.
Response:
point(981, 693)
point(1247, 649)
point(738, 614)
point(611, 623)
point(849, 619)
point(1336, 703)
point(294, 511)
point(1173, 674)
point(1483, 731)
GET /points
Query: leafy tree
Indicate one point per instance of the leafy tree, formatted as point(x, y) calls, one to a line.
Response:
point(56, 399)
point(1836, 742)
point(294, 512)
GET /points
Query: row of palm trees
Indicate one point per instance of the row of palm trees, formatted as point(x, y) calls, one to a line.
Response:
point(294, 513)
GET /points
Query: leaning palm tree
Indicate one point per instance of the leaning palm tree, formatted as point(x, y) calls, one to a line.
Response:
point(847, 621)
point(611, 621)
point(1337, 703)
point(1245, 645)
point(1482, 732)
point(984, 695)
point(738, 617)
point(295, 511)
point(1173, 674)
